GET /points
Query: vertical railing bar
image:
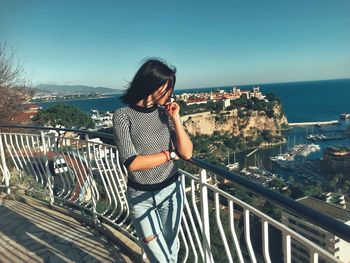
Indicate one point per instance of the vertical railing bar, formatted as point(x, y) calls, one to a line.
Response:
point(68, 181)
point(94, 190)
point(94, 159)
point(82, 170)
point(20, 158)
point(221, 229)
point(191, 218)
point(26, 157)
point(35, 140)
point(286, 248)
point(109, 174)
point(265, 240)
point(122, 188)
point(103, 180)
point(24, 165)
point(60, 154)
point(9, 149)
point(185, 245)
point(87, 169)
point(67, 156)
point(247, 235)
point(46, 159)
point(185, 224)
point(233, 232)
point(29, 156)
point(313, 257)
point(122, 175)
point(205, 216)
point(3, 174)
point(6, 173)
point(116, 184)
point(194, 205)
point(73, 160)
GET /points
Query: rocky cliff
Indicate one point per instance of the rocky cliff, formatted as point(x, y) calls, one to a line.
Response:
point(242, 122)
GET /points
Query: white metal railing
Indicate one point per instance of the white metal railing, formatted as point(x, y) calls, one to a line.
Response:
point(88, 176)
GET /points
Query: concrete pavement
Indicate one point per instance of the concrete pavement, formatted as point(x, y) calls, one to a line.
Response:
point(34, 233)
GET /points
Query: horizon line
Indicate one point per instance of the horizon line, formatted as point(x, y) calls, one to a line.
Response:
point(206, 87)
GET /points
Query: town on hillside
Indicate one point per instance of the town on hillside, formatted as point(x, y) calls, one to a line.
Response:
point(221, 96)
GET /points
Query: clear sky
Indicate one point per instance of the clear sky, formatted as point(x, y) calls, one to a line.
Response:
point(211, 43)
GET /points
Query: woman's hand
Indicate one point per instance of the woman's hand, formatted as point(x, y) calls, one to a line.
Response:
point(173, 110)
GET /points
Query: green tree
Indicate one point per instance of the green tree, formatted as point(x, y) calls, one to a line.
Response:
point(296, 191)
point(267, 136)
point(272, 97)
point(312, 190)
point(63, 115)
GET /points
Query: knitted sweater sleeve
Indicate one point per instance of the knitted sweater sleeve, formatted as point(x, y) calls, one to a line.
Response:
point(172, 135)
point(121, 130)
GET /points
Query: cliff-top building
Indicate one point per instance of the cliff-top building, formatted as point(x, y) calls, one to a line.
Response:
point(221, 96)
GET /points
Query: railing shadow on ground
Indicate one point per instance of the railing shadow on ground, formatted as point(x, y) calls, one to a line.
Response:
point(34, 234)
point(209, 224)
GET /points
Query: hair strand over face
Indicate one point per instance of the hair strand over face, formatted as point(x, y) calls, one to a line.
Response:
point(151, 75)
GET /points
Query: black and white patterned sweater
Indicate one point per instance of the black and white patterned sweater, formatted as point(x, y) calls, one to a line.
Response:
point(141, 131)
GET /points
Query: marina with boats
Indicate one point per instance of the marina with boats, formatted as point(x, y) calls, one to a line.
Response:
point(298, 161)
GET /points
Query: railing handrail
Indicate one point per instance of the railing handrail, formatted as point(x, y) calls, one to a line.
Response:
point(330, 224)
point(102, 134)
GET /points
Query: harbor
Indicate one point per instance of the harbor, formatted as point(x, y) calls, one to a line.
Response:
point(298, 161)
point(342, 117)
point(313, 123)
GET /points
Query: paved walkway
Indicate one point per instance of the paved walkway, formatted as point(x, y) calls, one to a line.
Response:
point(30, 233)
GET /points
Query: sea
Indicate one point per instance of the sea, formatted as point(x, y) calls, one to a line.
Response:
point(307, 101)
point(302, 101)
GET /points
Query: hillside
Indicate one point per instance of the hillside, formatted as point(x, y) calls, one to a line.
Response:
point(213, 132)
point(242, 123)
point(73, 89)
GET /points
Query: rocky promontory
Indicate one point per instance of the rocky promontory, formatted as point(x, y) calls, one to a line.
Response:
point(246, 123)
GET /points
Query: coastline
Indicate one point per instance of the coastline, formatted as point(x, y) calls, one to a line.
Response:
point(51, 101)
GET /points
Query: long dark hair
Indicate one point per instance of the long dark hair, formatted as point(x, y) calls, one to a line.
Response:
point(151, 75)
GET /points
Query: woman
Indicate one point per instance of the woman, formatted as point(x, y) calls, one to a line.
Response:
point(149, 136)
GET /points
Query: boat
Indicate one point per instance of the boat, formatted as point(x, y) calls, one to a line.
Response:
point(286, 160)
point(344, 116)
point(322, 137)
point(234, 165)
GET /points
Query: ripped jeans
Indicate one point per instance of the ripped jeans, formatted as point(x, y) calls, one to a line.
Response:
point(156, 217)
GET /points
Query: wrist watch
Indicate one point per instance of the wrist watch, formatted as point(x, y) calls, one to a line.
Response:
point(172, 155)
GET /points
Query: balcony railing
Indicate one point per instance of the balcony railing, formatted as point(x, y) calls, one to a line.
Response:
point(86, 175)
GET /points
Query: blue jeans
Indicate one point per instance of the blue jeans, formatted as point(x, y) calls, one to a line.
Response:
point(158, 213)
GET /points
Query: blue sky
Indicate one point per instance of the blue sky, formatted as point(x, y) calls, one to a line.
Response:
point(211, 43)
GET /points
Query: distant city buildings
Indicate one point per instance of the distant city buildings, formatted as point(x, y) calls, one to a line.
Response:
point(44, 97)
point(337, 159)
point(221, 96)
point(331, 243)
point(334, 198)
point(102, 120)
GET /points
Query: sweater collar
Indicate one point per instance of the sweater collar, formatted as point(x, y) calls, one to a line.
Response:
point(143, 109)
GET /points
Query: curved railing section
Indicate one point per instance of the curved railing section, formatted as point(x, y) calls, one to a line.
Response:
point(86, 175)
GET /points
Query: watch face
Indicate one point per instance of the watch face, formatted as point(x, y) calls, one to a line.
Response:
point(172, 155)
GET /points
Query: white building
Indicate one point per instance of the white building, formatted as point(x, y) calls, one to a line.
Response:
point(102, 120)
point(226, 103)
point(331, 243)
